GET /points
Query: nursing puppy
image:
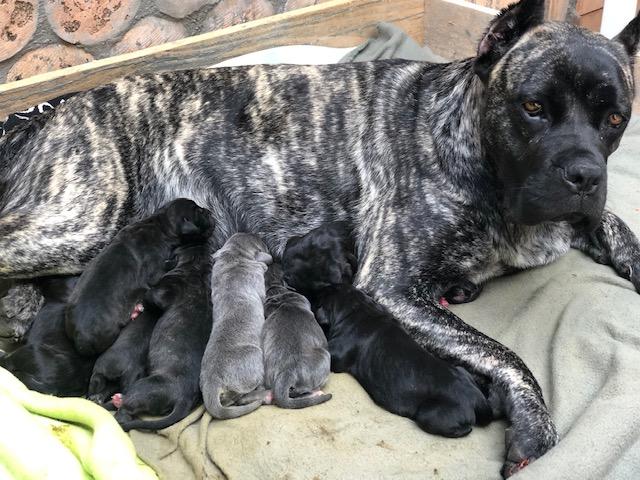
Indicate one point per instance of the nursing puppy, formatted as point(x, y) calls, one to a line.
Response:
point(125, 361)
point(324, 256)
point(366, 341)
point(296, 360)
point(233, 363)
point(48, 362)
point(112, 285)
point(177, 344)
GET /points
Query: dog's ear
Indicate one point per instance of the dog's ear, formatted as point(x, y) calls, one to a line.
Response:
point(504, 31)
point(630, 36)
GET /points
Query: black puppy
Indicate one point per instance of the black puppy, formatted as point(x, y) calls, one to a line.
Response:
point(111, 287)
point(125, 361)
point(177, 345)
point(366, 341)
point(323, 257)
point(48, 362)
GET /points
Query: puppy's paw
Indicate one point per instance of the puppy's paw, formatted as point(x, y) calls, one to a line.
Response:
point(525, 446)
point(116, 400)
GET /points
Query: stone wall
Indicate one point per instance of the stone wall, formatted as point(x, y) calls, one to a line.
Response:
point(37, 36)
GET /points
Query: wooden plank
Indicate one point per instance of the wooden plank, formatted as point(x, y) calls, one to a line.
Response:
point(592, 20)
point(338, 23)
point(587, 6)
point(453, 28)
point(557, 10)
point(497, 4)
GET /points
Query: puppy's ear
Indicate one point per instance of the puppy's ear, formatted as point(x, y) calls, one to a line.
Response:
point(293, 241)
point(159, 297)
point(504, 31)
point(630, 36)
point(322, 318)
point(170, 263)
point(264, 258)
point(187, 228)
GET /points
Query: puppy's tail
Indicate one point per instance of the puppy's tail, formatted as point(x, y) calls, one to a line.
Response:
point(281, 397)
point(217, 410)
point(180, 410)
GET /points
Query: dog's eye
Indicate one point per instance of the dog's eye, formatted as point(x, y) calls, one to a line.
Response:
point(532, 108)
point(615, 119)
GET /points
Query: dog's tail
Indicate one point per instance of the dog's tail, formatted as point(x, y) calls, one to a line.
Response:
point(180, 410)
point(215, 407)
point(281, 391)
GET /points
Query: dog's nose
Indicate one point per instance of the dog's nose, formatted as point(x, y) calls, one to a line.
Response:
point(582, 177)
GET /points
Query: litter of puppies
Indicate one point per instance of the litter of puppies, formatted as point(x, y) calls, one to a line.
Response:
point(160, 321)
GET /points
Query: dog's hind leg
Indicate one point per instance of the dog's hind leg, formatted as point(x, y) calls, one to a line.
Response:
point(64, 194)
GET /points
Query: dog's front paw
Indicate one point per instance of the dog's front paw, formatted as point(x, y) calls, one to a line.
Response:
point(526, 445)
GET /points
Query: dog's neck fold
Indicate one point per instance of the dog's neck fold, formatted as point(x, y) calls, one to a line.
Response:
point(452, 123)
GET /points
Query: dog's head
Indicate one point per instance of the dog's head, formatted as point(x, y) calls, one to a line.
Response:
point(324, 256)
point(187, 220)
point(247, 246)
point(558, 99)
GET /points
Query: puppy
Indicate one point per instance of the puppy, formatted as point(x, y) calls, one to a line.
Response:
point(125, 361)
point(365, 341)
point(305, 258)
point(296, 360)
point(233, 364)
point(177, 344)
point(48, 362)
point(113, 283)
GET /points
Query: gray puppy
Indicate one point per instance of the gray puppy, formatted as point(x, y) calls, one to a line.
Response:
point(296, 360)
point(232, 365)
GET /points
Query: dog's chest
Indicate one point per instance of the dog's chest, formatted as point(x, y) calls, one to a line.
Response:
point(522, 248)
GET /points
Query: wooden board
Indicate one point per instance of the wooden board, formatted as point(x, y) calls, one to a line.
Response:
point(592, 20)
point(587, 6)
point(557, 10)
point(338, 23)
point(453, 28)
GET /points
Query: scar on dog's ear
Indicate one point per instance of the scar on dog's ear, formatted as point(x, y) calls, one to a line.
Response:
point(630, 36)
point(504, 30)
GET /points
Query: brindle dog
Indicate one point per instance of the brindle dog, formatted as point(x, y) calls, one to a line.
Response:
point(451, 174)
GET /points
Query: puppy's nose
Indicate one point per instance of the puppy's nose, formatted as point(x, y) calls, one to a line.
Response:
point(583, 177)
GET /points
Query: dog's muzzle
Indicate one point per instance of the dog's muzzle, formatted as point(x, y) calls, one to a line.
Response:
point(574, 192)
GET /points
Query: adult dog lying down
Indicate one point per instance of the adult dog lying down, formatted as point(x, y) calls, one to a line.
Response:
point(451, 174)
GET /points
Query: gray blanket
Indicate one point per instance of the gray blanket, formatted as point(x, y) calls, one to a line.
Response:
point(575, 323)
